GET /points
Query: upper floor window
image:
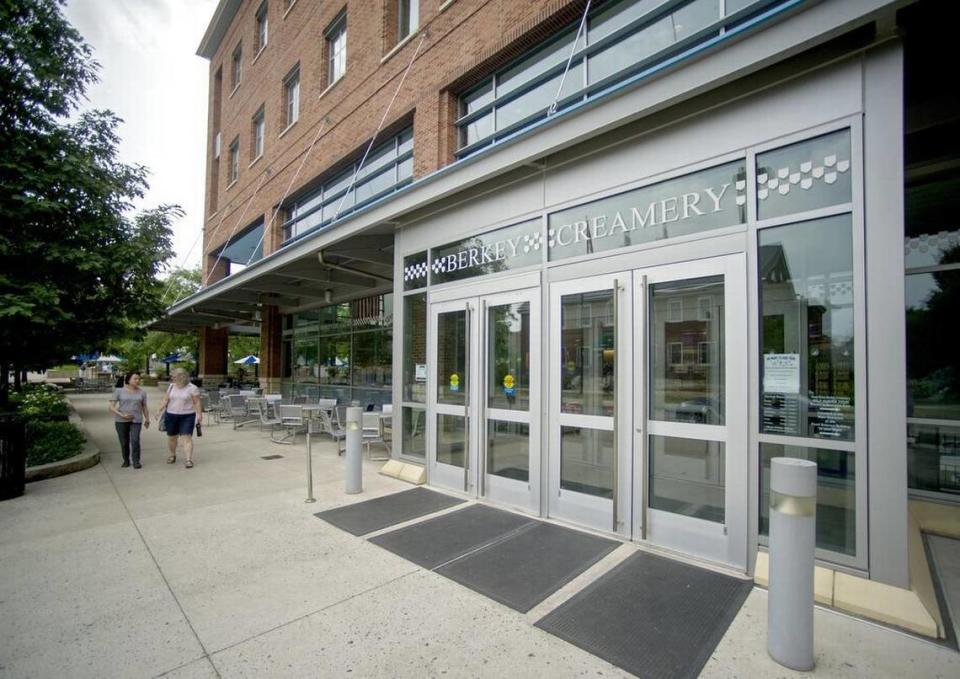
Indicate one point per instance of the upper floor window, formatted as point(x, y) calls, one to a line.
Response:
point(388, 167)
point(236, 67)
point(234, 160)
point(408, 17)
point(291, 96)
point(262, 28)
point(258, 130)
point(623, 38)
point(336, 36)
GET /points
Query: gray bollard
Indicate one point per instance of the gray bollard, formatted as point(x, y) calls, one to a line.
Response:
point(793, 539)
point(354, 476)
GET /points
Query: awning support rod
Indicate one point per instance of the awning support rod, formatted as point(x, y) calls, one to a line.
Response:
point(576, 41)
point(347, 269)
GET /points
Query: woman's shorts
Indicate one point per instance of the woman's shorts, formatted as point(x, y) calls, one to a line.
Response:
point(180, 425)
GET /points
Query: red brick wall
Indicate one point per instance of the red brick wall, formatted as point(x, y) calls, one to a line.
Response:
point(465, 41)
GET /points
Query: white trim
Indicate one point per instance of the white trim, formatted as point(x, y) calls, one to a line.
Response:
point(287, 128)
point(396, 48)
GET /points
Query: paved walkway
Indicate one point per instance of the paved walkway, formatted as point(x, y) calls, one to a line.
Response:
point(222, 571)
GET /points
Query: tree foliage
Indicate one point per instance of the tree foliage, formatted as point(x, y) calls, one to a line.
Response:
point(76, 270)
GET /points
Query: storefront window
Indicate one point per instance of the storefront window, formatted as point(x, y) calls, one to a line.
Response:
point(807, 332)
point(812, 174)
point(415, 348)
point(414, 439)
point(836, 494)
point(415, 271)
point(508, 449)
point(687, 476)
point(587, 354)
point(508, 357)
point(932, 287)
point(586, 461)
point(508, 248)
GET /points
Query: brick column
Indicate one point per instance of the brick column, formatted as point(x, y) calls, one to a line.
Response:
point(213, 355)
point(271, 339)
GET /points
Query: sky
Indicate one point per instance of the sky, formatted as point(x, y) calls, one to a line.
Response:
point(152, 78)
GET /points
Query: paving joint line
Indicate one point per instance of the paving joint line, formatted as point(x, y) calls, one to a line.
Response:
point(320, 610)
point(489, 543)
point(163, 577)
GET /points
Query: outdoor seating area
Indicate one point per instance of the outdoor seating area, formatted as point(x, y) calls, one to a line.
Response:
point(285, 418)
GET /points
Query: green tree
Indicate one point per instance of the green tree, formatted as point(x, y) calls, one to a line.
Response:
point(75, 269)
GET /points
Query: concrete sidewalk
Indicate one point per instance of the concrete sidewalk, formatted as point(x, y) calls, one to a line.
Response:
point(222, 570)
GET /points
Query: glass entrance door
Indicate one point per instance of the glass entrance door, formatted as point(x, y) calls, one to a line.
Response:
point(589, 392)
point(690, 408)
point(484, 395)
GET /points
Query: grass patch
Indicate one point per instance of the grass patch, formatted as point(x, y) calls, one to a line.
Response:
point(51, 442)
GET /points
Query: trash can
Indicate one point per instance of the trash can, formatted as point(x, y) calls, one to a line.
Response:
point(13, 456)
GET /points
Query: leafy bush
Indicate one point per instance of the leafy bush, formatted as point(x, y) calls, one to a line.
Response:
point(43, 402)
point(51, 441)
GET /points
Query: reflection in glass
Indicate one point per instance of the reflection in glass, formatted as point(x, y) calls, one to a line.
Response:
point(334, 354)
point(452, 347)
point(508, 356)
point(932, 231)
point(805, 176)
point(414, 438)
point(508, 449)
point(836, 494)
point(616, 16)
point(510, 247)
point(415, 348)
point(476, 130)
point(687, 351)
point(540, 62)
point(586, 461)
point(587, 354)
point(933, 458)
point(538, 99)
point(807, 309)
point(305, 364)
point(933, 362)
point(451, 439)
point(687, 476)
point(372, 358)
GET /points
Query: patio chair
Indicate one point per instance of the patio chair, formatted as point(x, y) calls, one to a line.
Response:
point(267, 419)
point(336, 432)
point(236, 410)
point(210, 402)
point(371, 433)
point(292, 422)
point(386, 426)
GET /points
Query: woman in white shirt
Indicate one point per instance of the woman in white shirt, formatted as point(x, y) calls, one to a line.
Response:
point(183, 411)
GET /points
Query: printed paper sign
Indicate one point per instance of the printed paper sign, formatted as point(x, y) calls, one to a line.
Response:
point(781, 373)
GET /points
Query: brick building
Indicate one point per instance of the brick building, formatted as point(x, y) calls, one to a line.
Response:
point(605, 265)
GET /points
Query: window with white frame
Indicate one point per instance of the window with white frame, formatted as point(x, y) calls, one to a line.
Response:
point(408, 17)
point(258, 130)
point(336, 38)
point(291, 96)
point(262, 29)
point(236, 67)
point(234, 160)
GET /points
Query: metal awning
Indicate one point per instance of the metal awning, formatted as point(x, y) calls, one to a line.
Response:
point(300, 276)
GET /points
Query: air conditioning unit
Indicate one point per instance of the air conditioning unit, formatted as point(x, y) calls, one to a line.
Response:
point(216, 146)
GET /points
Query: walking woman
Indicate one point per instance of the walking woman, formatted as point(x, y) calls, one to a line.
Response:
point(184, 411)
point(129, 408)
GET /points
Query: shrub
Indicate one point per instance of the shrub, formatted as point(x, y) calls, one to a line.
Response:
point(43, 402)
point(51, 441)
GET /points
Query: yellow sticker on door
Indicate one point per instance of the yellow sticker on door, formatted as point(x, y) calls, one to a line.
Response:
point(454, 382)
point(509, 386)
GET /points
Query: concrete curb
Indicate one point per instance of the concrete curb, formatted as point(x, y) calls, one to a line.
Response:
point(86, 459)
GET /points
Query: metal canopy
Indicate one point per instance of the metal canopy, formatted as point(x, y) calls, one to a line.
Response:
point(358, 266)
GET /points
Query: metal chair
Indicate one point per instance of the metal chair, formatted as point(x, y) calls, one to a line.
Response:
point(336, 432)
point(291, 422)
point(371, 433)
point(386, 426)
point(236, 410)
point(210, 402)
point(266, 419)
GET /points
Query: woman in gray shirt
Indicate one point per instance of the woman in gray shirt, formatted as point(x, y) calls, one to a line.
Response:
point(129, 408)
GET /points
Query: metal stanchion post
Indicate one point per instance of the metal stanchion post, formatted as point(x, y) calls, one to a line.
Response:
point(354, 477)
point(793, 518)
point(310, 497)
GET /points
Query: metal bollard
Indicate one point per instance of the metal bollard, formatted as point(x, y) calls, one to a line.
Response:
point(793, 537)
point(354, 476)
point(310, 497)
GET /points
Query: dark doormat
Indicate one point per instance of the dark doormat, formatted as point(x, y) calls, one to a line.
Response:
point(651, 616)
point(365, 517)
point(436, 541)
point(529, 565)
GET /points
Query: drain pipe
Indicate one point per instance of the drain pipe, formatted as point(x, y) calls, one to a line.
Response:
point(347, 269)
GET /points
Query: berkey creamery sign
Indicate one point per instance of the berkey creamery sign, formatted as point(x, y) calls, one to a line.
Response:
point(705, 200)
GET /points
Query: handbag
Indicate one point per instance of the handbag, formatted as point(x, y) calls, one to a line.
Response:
point(162, 421)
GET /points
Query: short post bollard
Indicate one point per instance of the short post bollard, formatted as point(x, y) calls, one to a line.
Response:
point(310, 497)
point(354, 478)
point(793, 519)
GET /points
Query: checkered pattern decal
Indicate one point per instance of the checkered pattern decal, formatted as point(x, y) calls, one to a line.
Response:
point(785, 179)
point(415, 272)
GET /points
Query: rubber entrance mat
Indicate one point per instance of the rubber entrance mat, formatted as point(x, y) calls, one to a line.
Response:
point(436, 541)
point(651, 616)
point(528, 565)
point(365, 517)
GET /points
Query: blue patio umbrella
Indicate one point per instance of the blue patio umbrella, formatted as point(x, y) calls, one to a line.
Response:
point(248, 360)
point(172, 358)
